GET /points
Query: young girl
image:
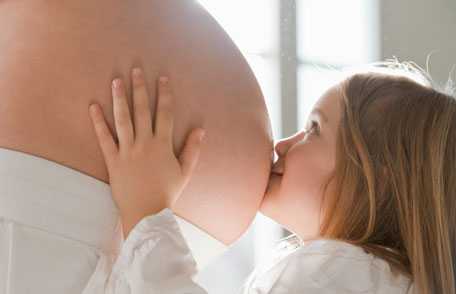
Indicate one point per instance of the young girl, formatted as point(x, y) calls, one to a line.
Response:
point(368, 189)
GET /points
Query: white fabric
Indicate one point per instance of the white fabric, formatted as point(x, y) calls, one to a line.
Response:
point(60, 233)
point(55, 225)
point(155, 259)
point(59, 228)
point(203, 246)
point(325, 266)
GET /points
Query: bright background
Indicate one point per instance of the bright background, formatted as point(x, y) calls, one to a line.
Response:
point(291, 46)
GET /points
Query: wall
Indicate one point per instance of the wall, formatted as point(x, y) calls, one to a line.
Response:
point(412, 29)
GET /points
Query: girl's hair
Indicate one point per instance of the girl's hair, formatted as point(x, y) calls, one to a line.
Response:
point(395, 175)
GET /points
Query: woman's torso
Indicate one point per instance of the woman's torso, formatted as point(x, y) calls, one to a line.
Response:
point(59, 56)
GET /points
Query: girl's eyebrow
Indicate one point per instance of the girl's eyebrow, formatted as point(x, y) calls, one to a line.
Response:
point(320, 113)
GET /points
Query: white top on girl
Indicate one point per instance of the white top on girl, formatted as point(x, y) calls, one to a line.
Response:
point(156, 259)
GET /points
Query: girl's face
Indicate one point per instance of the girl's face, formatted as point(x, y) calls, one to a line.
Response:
point(305, 162)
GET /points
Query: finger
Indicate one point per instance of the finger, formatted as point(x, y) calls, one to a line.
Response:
point(164, 118)
point(122, 118)
point(105, 140)
point(143, 120)
point(190, 154)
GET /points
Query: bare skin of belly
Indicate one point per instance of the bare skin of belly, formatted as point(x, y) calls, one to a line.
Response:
point(57, 57)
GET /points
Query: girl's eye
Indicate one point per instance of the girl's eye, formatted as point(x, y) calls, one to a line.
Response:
point(313, 128)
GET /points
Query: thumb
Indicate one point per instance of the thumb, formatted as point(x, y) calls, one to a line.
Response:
point(190, 154)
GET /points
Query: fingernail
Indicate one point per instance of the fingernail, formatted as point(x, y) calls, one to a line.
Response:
point(164, 80)
point(202, 135)
point(137, 72)
point(92, 108)
point(116, 83)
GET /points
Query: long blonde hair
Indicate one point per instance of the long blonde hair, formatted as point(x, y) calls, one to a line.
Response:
point(395, 175)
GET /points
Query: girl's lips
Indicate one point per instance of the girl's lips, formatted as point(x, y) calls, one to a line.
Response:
point(277, 169)
point(274, 172)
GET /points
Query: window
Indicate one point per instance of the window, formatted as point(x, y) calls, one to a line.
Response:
point(290, 44)
point(257, 38)
point(331, 34)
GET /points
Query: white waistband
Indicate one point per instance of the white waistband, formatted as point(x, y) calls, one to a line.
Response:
point(52, 197)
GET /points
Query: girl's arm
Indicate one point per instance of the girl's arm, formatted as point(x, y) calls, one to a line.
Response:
point(153, 259)
point(146, 179)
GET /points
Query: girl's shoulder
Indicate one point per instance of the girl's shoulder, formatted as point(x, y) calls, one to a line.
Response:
point(328, 264)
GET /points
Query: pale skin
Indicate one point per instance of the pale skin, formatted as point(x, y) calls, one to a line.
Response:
point(144, 173)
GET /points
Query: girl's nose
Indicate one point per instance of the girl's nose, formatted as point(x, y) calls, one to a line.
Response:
point(284, 145)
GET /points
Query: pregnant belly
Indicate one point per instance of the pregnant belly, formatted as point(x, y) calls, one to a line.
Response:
point(56, 57)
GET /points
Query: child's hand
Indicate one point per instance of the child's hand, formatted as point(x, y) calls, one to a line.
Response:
point(144, 174)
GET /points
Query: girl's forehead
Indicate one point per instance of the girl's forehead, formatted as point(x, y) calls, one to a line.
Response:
point(329, 103)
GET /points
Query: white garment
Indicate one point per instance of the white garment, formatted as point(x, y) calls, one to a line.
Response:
point(203, 246)
point(156, 260)
point(60, 233)
point(55, 225)
point(60, 229)
point(325, 266)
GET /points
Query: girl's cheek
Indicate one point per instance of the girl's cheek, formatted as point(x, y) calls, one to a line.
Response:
point(306, 169)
